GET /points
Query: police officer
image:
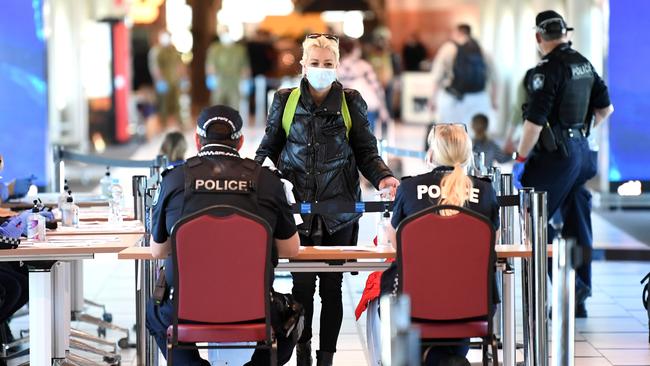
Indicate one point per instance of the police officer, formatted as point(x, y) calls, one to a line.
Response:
point(553, 150)
point(217, 175)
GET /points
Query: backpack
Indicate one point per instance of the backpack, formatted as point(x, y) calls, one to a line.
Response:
point(470, 71)
point(292, 104)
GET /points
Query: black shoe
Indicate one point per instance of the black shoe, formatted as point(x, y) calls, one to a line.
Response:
point(303, 354)
point(324, 358)
point(581, 310)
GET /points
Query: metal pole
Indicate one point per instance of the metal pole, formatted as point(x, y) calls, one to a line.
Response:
point(539, 275)
point(507, 213)
point(525, 195)
point(382, 150)
point(139, 183)
point(509, 324)
point(400, 342)
point(563, 302)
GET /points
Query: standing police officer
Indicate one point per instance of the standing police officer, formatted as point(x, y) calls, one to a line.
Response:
point(217, 175)
point(563, 91)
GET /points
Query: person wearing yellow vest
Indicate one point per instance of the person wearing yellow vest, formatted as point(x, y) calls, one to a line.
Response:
point(318, 135)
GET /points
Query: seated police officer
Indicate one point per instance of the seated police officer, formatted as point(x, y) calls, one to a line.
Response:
point(218, 139)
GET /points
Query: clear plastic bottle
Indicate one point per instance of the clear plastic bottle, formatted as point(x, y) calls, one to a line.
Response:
point(63, 196)
point(115, 202)
point(383, 239)
point(105, 183)
point(70, 212)
point(36, 224)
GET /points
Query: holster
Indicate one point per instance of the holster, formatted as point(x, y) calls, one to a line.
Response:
point(552, 140)
point(160, 290)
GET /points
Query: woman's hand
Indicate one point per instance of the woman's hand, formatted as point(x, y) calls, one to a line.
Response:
point(389, 182)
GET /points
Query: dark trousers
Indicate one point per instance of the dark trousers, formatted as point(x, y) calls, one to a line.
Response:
point(564, 181)
point(304, 288)
point(160, 317)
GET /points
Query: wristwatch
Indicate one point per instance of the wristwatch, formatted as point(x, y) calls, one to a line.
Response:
point(518, 158)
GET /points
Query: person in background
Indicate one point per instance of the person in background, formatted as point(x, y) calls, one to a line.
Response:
point(322, 154)
point(166, 69)
point(174, 147)
point(450, 153)
point(463, 79)
point(483, 144)
point(227, 71)
point(566, 98)
point(356, 73)
point(413, 53)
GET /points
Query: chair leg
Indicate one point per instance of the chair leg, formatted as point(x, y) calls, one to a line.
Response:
point(484, 348)
point(170, 351)
point(274, 353)
point(495, 351)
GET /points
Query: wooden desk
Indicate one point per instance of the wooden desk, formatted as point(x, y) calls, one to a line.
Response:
point(98, 228)
point(49, 286)
point(327, 254)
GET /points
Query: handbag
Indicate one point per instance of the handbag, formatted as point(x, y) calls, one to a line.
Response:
point(287, 316)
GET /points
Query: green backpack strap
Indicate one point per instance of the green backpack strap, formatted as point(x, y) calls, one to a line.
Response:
point(290, 110)
point(292, 104)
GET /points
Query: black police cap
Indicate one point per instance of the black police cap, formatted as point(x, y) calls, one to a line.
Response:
point(551, 22)
point(219, 114)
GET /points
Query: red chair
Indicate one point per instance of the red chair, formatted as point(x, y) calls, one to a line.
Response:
point(222, 275)
point(446, 266)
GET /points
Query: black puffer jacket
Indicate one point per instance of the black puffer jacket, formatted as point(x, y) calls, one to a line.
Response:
point(317, 157)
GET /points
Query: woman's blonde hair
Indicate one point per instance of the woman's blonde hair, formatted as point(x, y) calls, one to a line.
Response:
point(174, 146)
point(450, 145)
point(321, 42)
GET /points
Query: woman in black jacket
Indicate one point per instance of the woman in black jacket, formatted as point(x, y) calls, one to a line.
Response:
point(320, 147)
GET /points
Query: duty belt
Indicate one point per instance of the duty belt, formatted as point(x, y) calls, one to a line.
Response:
point(573, 133)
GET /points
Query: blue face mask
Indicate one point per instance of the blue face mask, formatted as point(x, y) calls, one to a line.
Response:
point(320, 78)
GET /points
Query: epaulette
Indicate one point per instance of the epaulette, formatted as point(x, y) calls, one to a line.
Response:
point(542, 62)
point(406, 177)
point(168, 169)
point(274, 170)
point(485, 178)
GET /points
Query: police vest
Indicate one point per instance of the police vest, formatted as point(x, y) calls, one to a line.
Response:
point(220, 180)
point(574, 97)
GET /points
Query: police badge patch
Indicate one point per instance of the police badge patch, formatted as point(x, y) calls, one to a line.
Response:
point(538, 81)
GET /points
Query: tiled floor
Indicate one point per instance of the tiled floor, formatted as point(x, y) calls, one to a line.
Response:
point(616, 333)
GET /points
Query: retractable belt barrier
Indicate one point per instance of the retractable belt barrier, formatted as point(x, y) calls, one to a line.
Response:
point(403, 152)
point(335, 207)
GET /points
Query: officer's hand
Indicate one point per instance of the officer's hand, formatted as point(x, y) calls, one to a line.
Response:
point(14, 227)
point(211, 82)
point(517, 173)
point(162, 87)
point(21, 187)
point(391, 183)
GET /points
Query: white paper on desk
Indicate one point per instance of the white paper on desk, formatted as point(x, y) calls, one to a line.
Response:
point(344, 248)
point(288, 189)
point(70, 241)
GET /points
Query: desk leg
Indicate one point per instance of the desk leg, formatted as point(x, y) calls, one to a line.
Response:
point(40, 316)
point(146, 349)
point(61, 279)
point(77, 289)
point(509, 339)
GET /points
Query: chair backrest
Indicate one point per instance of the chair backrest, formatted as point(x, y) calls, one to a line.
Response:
point(222, 266)
point(446, 264)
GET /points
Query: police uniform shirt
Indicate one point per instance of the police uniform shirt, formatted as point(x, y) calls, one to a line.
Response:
point(271, 205)
point(547, 83)
point(423, 191)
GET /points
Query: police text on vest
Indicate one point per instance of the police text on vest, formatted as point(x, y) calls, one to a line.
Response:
point(434, 191)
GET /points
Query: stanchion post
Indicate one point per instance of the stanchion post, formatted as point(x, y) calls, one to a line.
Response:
point(563, 303)
point(383, 151)
point(400, 342)
point(260, 100)
point(58, 166)
point(525, 221)
point(539, 275)
point(139, 185)
point(509, 324)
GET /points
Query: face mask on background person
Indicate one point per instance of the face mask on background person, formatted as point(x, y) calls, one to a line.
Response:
point(320, 78)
